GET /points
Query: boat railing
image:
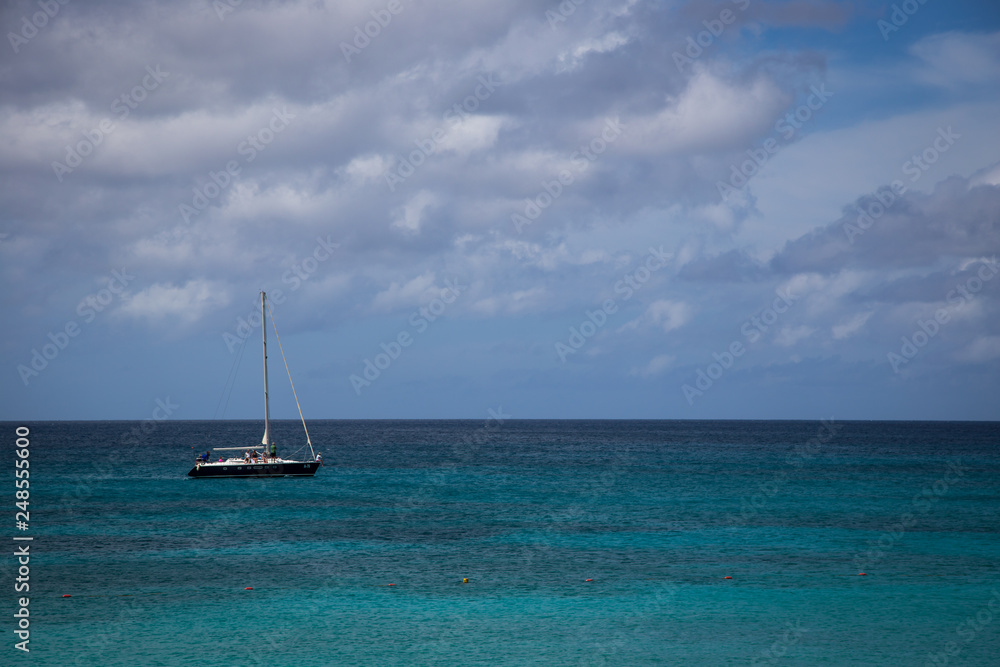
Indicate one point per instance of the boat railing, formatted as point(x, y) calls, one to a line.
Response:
point(242, 461)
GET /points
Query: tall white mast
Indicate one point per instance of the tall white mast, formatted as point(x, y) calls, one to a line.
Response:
point(266, 441)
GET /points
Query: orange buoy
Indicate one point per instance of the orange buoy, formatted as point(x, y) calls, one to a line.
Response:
point(67, 596)
point(392, 584)
point(248, 588)
point(862, 574)
point(588, 579)
point(727, 577)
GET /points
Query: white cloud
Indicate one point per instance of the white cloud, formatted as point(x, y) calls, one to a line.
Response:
point(185, 304)
point(367, 168)
point(666, 314)
point(656, 365)
point(789, 336)
point(709, 115)
point(414, 292)
point(510, 302)
point(473, 133)
point(982, 349)
point(988, 176)
point(850, 326)
point(409, 217)
point(721, 216)
point(809, 183)
point(802, 284)
point(952, 59)
point(574, 57)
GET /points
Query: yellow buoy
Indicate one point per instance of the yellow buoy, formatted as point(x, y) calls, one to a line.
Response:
point(465, 581)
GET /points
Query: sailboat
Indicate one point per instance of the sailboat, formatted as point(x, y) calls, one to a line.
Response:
point(262, 464)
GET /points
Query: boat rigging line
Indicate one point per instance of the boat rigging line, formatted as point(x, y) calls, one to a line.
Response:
point(282, 350)
point(227, 389)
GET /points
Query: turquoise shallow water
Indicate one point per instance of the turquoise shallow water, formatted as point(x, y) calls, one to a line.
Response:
point(656, 513)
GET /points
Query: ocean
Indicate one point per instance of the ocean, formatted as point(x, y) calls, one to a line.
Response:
point(583, 543)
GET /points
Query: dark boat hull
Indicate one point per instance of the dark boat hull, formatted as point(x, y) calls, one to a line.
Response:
point(295, 469)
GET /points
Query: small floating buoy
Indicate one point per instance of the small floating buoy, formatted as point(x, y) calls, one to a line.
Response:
point(67, 596)
point(392, 584)
point(465, 581)
point(727, 577)
point(248, 588)
point(588, 579)
point(862, 574)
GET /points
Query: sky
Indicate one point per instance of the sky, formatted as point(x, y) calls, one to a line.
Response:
point(588, 209)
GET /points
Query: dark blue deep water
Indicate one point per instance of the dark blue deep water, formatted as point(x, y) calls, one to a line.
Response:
point(656, 513)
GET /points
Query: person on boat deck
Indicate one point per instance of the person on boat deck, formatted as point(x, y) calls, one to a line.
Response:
point(204, 457)
point(246, 456)
point(274, 451)
point(319, 457)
